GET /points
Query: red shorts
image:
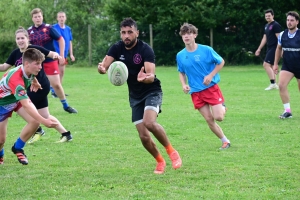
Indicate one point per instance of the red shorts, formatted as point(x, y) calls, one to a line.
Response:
point(212, 96)
point(51, 68)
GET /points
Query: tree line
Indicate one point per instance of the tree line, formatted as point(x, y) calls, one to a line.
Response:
point(237, 25)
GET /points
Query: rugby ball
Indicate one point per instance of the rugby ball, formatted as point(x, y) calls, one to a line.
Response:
point(117, 73)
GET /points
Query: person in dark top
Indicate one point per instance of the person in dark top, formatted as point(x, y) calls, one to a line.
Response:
point(145, 93)
point(289, 47)
point(39, 98)
point(272, 30)
point(42, 34)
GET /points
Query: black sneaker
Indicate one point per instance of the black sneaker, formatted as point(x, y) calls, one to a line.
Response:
point(53, 95)
point(70, 110)
point(65, 137)
point(285, 115)
point(20, 155)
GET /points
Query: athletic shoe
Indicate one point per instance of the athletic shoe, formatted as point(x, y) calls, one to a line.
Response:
point(53, 95)
point(38, 134)
point(285, 115)
point(225, 145)
point(160, 168)
point(272, 86)
point(20, 155)
point(70, 110)
point(1, 161)
point(176, 160)
point(65, 137)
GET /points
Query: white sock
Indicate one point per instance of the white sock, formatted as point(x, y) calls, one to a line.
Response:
point(224, 139)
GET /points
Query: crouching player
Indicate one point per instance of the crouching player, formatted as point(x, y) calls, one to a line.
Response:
point(13, 97)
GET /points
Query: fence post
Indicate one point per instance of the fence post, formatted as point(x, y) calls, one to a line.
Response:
point(90, 44)
point(211, 37)
point(151, 35)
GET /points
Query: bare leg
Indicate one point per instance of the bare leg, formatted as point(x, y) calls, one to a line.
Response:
point(210, 120)
point(284, 79)
point(56, 84)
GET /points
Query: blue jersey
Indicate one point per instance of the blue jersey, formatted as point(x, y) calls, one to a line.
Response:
point(198, 64)
point(66, 33)
point(43, 36)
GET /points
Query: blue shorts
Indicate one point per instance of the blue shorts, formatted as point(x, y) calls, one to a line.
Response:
point(152, 101)
point(6, 110)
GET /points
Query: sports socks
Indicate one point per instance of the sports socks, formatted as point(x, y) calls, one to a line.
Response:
point(287, 107)
point(169, 149)
point(2, 152)
point(159, 158)
point(272, 81)
point(64, 103)
point(52, 90)
point(19, 144)
point(224, 139)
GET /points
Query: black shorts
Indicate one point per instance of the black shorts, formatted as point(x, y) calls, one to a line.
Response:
point(152, 101)
point(270, 56)
point(39, 98)
point(295, 70)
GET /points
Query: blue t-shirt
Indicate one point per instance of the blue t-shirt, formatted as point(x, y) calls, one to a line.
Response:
point(67, 35)
point(198, 64)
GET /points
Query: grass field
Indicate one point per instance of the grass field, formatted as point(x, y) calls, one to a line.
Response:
point(107, 161)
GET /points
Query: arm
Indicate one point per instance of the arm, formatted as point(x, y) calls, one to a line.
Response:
point(32, 111)
point(104, 65)
point(278, 54)
point(61, 44)
point(54, 55)
point(262, 44)
point(147, 73)
point(4, 67)
point(208, 78)
point(182, 78)
point(71, 52)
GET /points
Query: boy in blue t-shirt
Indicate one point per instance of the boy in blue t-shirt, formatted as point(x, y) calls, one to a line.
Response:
point(200, 64)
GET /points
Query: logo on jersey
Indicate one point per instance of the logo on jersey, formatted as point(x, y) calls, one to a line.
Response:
point(122, 57)
point(31, 32)
point(270, 27)
point(44, 30)
point(137, 58)
point(197, 58)
point(21, 93)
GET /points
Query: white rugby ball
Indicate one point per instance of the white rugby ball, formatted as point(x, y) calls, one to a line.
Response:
point(117, 73)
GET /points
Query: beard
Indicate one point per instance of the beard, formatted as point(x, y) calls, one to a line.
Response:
point(130, 44)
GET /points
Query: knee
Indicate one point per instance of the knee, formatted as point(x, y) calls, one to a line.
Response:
point(149, 125)
point(219, 118)
point(210, 121)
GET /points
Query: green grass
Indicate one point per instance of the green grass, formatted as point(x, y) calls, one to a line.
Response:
point(107, 161)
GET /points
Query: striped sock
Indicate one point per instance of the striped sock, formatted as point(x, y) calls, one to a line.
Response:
point(64, 103)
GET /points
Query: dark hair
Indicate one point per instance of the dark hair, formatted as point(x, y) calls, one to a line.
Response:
point(294, 14)
point(269, 11)
point(128, 22)
point(31, 55)
point(188, 28)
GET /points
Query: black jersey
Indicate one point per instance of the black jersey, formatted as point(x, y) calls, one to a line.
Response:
point(291, 49)
point(270, 30)
point(15, 59)
point(134, 59)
